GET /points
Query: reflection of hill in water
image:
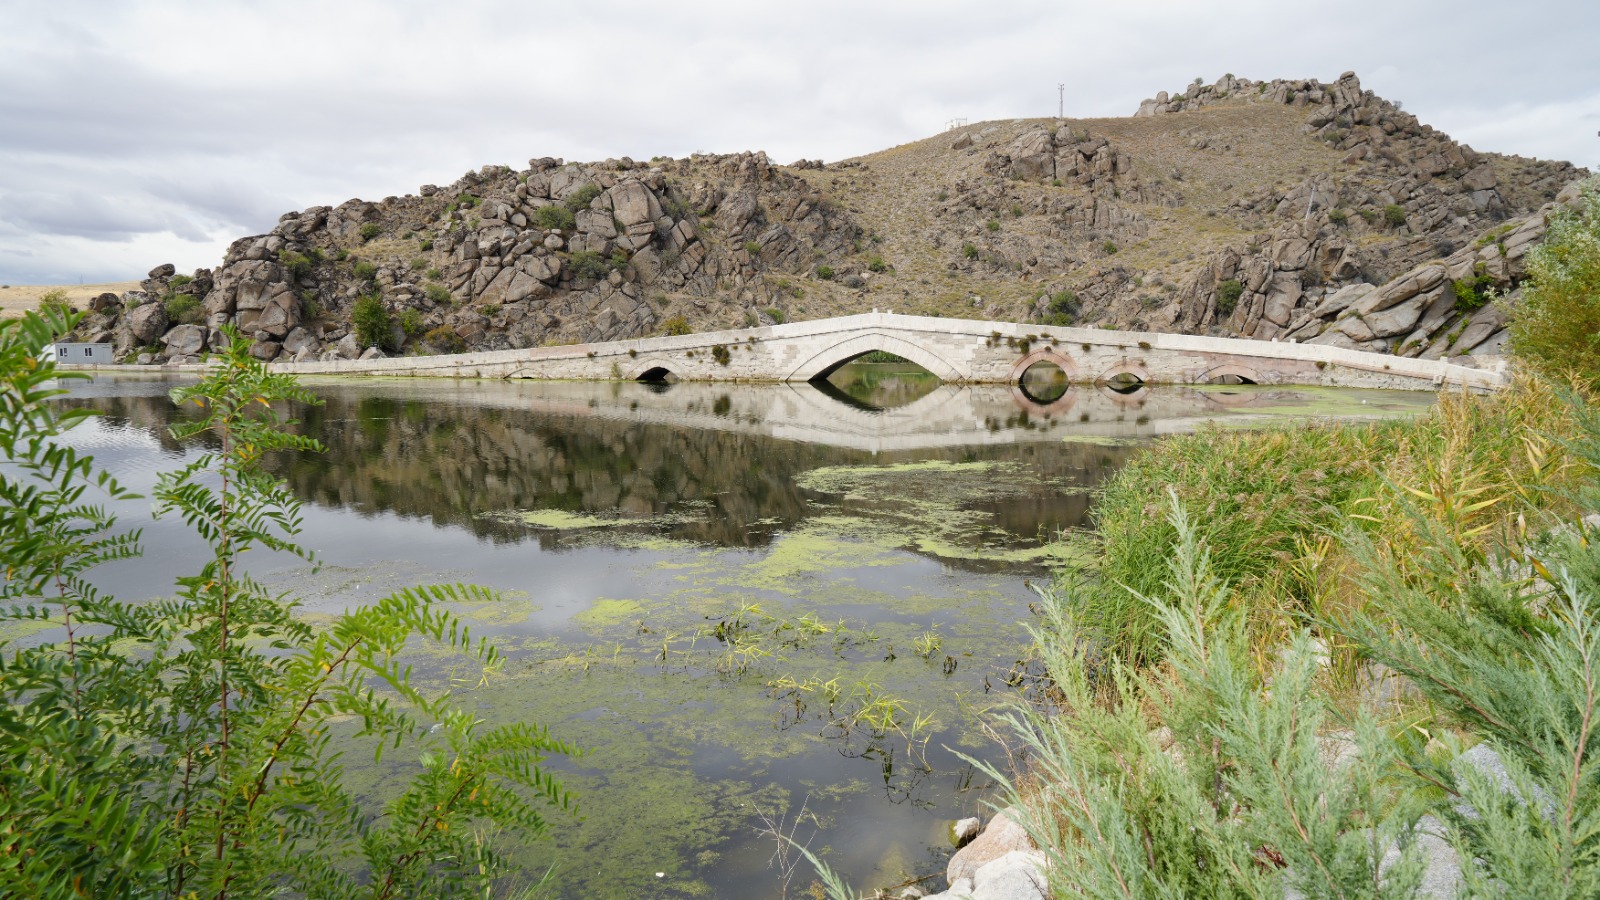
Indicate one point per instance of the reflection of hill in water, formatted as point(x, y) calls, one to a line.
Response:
point(696, 462)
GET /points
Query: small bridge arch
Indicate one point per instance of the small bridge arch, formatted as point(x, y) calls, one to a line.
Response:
point(1232, 373)
point(653, 369)
point(822, 364)
point(1125, 371)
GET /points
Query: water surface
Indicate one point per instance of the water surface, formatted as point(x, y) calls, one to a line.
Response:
point(711, 588)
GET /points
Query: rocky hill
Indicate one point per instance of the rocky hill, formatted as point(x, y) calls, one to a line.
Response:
point(1289, 209)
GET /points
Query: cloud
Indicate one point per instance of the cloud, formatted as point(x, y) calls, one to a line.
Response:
point(174, 126)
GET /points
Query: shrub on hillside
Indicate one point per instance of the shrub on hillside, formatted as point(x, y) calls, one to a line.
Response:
point(583, 197)
point(1228, 294)
point(183, 309)
point(372, 322)
point(554, 218)
point(444, 339)
point(1063, 309)
point(588, 264)
point(676, 325)
point(1555, 328)
point(1394, 214)
point(370, 230)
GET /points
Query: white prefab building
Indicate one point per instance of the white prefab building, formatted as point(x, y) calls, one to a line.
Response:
point(65, 353)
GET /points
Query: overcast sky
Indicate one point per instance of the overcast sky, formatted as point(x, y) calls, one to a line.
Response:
point(139, 132)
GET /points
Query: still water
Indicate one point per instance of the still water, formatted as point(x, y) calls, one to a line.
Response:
point(756, 607)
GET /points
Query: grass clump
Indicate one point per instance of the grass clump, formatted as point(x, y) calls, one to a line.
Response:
point(825, 272)
point(676, 325)
point(439, 294)
point(589, 265)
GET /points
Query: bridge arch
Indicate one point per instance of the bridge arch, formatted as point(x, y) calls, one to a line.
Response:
point(825, 362)
point(1239, 374)
point(1124, 371)
point(654, 369)
point(1043, 354)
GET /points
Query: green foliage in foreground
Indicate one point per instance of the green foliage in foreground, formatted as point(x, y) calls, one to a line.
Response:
point(1253, 783)
point(1556, 326)
point(189, 747)
point(1266, 502)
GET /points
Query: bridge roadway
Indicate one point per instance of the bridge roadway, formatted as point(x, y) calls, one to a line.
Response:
point(959, 351)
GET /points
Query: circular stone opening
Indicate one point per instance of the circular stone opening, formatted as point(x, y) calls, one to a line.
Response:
point(1044, 382)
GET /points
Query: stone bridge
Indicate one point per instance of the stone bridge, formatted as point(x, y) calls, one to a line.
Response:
point(958, 351)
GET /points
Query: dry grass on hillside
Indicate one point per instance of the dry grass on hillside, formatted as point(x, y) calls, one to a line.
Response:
point(16, 299)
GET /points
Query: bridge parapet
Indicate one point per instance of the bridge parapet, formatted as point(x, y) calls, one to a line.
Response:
point(957, 350)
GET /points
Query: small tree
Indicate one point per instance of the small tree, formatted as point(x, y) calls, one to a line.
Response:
point(372, 322)
point(1556, 326)
point(183, 747)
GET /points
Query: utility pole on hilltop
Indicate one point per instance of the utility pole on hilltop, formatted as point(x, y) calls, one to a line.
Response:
point(1061, 100)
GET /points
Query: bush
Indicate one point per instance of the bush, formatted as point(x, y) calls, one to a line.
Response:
point(372, 323)
point(752, 247)
point(203, 720)
point(875, 263)
point(438, 293)
point(178, 281)
point(444, 339)
point(1395, 215)
point(365, 271)
point(183, 309)
point(1554, 327)
point(310, 306)
point(825, 272)
point(721, 354)
point(411, 322)
point(1338, 216)
point(589, 264)
point(583, 197)
point(435, 274)
point(1016, 210)
point(467, 201)
point(776, 315)
point(554, 218)
point(1473, 293)
point(969, 251)
point(1063, 308)
point(298, 265)
point(1228, 294)
point(1109, 247)
point(675, 326)
point(54, 303)
point(370, 230)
